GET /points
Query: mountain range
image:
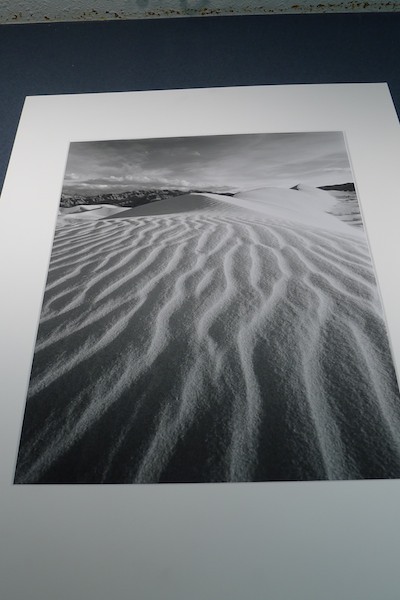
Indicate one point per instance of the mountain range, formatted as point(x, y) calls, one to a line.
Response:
point(133, 198)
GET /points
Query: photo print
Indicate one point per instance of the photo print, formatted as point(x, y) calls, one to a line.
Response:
point(211, 314)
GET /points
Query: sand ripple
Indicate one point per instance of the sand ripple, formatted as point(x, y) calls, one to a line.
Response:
point(209, 347)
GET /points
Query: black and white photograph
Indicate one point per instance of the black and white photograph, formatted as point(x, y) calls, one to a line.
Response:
point(211, 314)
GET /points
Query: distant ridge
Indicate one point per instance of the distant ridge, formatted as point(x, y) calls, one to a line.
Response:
point(343, 187)
point(129, 199)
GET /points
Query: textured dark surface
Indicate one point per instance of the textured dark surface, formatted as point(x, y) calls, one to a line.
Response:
point(187, 53)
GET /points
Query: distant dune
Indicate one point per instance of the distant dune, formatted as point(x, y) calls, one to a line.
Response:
point(210, 338)
point(87, 212)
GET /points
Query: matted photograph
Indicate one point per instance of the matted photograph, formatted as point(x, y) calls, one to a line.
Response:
point(211, 314)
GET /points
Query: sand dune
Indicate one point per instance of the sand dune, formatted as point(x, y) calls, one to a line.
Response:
point(214, 340)
point(86, 213)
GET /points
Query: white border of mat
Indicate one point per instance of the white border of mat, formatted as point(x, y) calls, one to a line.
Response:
point(278, 541)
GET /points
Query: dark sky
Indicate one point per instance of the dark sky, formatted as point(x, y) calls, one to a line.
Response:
point(213, 163)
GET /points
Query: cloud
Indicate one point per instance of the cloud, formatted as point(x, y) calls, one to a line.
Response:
point(209, 162)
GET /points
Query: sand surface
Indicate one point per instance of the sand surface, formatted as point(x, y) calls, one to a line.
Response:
point(206, 338)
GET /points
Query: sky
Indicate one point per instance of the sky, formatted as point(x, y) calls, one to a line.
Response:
point(229, 163)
